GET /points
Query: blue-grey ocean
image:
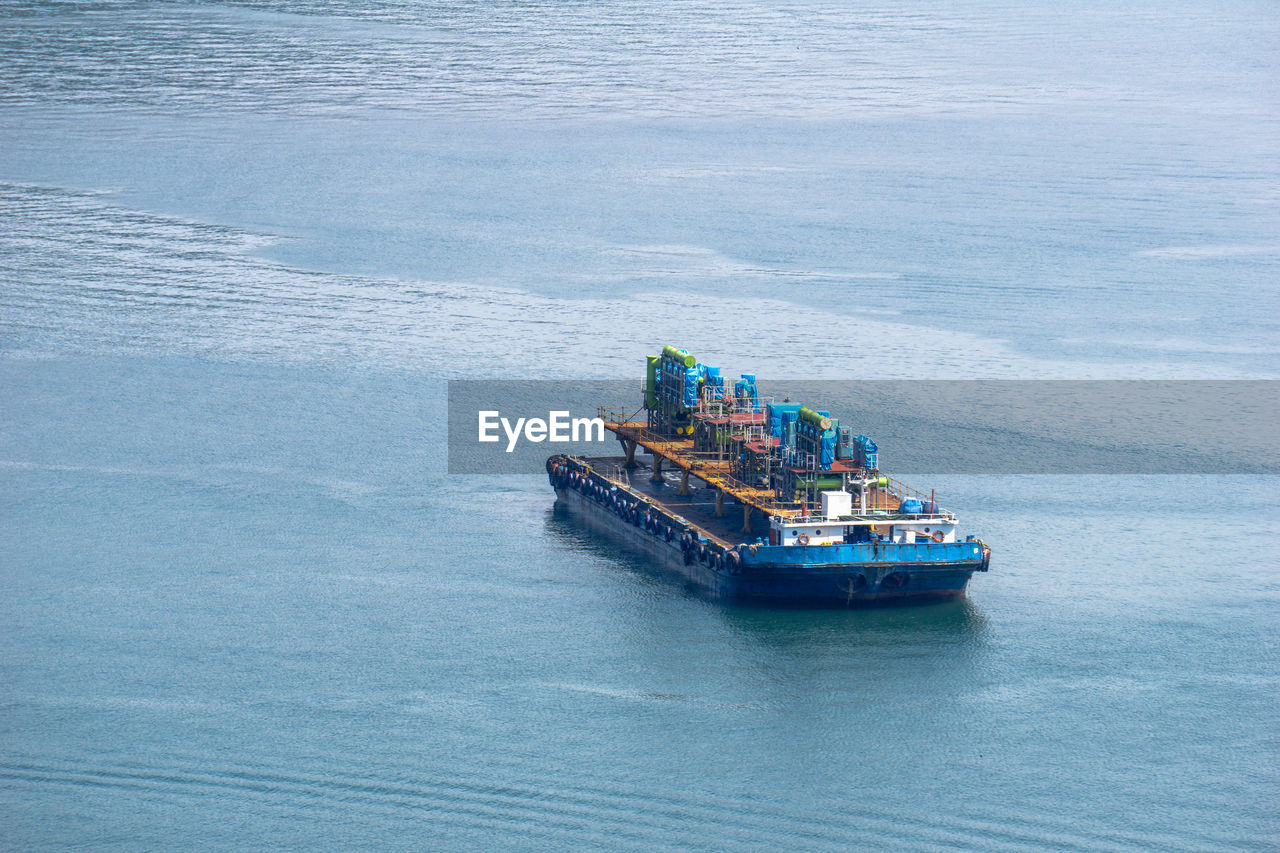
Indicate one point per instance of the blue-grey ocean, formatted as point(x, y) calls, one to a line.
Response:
point(244, 244)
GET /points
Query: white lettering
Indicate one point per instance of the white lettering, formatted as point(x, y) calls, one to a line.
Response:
point(586, 424)
point(513, 435)
point(487, 423)
point(559, 426)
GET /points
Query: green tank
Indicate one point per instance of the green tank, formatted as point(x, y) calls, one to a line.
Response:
point(825, 484)
point(679, 355)
point(651, 381)
point(808, 415)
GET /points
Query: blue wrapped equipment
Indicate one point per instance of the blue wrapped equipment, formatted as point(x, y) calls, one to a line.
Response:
point(745, 391)
point(828, 449)
point(866, 452)
point(690, 387)
point(777, 412)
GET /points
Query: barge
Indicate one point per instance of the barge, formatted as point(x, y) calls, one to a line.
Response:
point(755, 499)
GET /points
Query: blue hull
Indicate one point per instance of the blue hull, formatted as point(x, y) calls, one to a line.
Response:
point(836, 575)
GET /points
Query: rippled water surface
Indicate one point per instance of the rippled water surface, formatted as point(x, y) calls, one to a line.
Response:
point(243, 244)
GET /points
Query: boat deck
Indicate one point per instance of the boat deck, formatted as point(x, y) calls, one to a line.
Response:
point(678, 453)
point(699, 507)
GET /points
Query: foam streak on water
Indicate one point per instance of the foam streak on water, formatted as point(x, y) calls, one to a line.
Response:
point(89, 276)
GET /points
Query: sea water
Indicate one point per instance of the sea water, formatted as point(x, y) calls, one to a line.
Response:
point(243, 245)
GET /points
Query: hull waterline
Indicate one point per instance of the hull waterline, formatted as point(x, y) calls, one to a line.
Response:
point(794, 574)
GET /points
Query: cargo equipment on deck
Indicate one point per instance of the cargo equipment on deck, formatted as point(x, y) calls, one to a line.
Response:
point(818, 520)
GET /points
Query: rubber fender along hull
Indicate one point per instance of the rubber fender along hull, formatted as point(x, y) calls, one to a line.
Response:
point(793, 574)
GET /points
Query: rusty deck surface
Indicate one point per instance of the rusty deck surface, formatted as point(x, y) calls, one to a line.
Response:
point(698, 507)
point(678, 453)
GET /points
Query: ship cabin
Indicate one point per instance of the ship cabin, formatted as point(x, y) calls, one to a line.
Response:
point(837, 523)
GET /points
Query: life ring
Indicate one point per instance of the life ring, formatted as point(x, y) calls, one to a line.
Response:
point(802, 539)
point(938, 536)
